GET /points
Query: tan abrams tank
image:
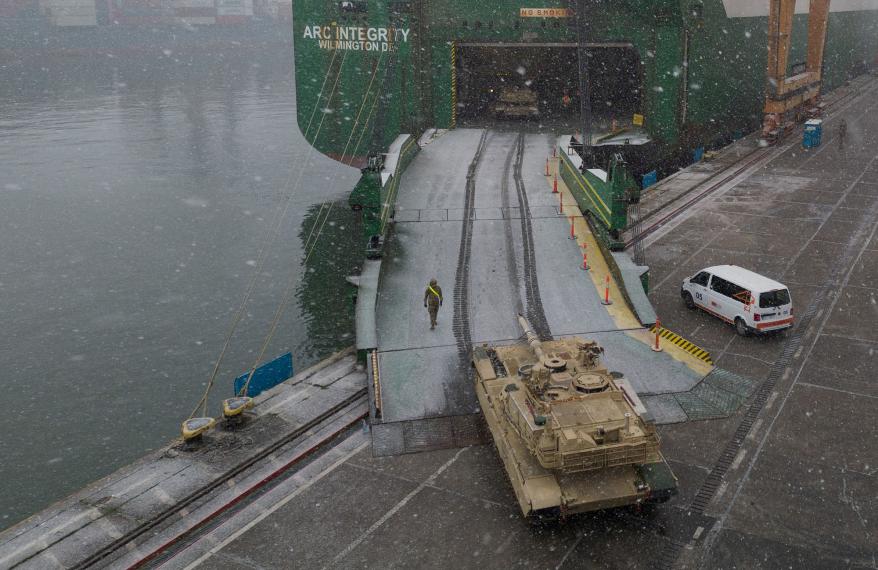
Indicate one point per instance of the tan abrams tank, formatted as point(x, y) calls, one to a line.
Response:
point(572, 437)
point(517, 102)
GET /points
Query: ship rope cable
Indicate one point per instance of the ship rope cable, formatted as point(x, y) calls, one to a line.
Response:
point(363, 131)
point(288, 196)
point(327, 203)
point(378, 97)
point(322, 205)
point(271, 236)
point(311, 244)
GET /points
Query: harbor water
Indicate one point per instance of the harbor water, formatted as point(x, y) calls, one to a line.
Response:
point(137, 191)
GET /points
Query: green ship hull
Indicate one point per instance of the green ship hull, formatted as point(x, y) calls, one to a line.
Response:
point(369, 70)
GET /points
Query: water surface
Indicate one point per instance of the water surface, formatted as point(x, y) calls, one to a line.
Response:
point(136, 191)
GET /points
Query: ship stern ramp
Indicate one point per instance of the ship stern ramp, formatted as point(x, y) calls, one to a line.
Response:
point(469, 207)
point(425, 402)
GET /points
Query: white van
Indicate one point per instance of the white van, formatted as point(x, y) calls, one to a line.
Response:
point(749, 301)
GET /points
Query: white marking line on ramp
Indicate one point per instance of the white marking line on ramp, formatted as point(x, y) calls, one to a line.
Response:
point(428, 482)
point(299, 490)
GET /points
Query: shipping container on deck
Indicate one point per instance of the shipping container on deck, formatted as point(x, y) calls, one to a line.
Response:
point(280, 10)
point(285, 11)
point(18, 8)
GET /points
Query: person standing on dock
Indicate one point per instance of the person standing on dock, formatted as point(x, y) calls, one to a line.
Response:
point(432, 301)
point(842, 133)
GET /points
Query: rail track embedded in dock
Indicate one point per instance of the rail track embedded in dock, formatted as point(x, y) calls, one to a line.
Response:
point(105, 555)
point(709, 185)
point(694, 195)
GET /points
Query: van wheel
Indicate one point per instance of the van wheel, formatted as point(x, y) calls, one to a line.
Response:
point(688, 300)
point(741, 327)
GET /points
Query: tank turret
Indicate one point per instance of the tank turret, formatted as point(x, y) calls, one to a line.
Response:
point(573, 436)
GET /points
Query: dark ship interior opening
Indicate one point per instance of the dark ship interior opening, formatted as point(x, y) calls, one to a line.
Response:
point(537, 85)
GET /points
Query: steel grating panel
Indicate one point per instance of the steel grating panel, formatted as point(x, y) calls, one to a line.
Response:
point(719, 395)
point(731, 382)
point(428, 434)
point(724, 402)
point(664, 409)
point(388, 439)
point(697, 409)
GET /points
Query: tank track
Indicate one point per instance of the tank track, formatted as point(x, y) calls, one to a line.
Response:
point(534, 311)
point(460, 321)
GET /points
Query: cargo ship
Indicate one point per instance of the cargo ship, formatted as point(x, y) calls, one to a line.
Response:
point(656, 79)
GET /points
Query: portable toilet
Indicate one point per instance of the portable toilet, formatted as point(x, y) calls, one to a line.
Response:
point(813, 133)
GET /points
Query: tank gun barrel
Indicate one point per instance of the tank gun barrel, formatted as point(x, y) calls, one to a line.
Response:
point(532, 339)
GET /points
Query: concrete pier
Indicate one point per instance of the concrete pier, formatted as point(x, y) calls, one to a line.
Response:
point(143, 509)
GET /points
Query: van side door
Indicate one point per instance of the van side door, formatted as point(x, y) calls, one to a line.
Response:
point(719, 302)
point(731, 300)
point(698, 288)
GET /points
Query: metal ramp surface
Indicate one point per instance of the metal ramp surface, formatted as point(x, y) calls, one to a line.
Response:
point(425, 401)
point(428, 434)
point(470, 207)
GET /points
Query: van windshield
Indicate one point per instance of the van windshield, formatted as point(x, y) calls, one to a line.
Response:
point(774, 298)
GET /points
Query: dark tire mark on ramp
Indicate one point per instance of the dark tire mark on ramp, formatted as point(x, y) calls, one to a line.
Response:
point(511, 261)
point(535, 312)
point(460, 324)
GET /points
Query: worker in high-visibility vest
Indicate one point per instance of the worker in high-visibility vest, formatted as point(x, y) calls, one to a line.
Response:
point(432, 301)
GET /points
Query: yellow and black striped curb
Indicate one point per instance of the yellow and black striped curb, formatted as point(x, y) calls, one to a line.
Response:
point(689, 347)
